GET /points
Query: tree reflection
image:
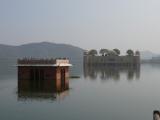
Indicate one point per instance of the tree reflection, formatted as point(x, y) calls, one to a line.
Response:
point(111, 72)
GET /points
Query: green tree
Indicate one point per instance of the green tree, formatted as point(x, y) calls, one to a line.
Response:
point(130, 52)
point(93, 52)
point(117, 51)
point(112, 53)
point(103, 52)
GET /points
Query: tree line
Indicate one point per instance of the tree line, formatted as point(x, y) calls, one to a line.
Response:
point(114, 52)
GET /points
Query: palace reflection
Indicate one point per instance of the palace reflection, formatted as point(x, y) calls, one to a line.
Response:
point(111, 72)
point(40, 90)
point(38, 85)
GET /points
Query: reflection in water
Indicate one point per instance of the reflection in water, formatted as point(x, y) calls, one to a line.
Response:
point(111, 72)
point(39, 90)
point(39, 87)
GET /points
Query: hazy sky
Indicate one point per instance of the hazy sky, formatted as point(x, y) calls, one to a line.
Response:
point(96, 24)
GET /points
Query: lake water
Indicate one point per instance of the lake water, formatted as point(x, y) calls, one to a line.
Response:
point(100, 94)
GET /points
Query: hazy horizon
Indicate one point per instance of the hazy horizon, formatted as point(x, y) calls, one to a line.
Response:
point(84, 23)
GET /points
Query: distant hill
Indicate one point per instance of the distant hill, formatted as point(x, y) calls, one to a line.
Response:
point(146, 55)
point(51, 50)
point(41, 50)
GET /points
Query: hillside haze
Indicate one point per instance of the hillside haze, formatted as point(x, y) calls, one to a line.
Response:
point(41, 50)
point(147, 55)
point(50, 50)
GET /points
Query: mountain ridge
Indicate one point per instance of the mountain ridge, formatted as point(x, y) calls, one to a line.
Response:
point(50, 49)
point(41, 50)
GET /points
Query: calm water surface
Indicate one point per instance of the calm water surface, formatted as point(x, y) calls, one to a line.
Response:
point(100, 94)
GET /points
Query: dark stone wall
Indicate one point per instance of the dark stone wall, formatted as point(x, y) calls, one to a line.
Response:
point(43, 79)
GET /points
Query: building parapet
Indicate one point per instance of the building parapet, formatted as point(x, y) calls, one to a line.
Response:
point(43, 62)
